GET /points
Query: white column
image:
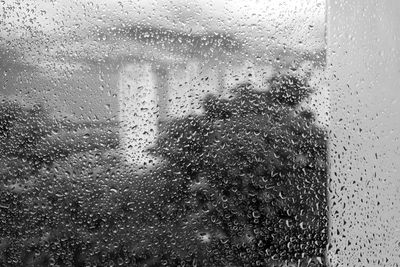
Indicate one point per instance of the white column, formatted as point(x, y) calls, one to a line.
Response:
point(138, 112)
point(364, 61)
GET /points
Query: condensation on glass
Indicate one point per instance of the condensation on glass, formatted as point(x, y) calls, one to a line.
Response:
point(163, 133)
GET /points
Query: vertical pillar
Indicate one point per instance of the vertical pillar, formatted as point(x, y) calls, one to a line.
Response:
point(138, 112)
point(163, 91)
point(363, 41)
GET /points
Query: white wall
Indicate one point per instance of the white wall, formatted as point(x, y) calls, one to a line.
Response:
point(364, 61)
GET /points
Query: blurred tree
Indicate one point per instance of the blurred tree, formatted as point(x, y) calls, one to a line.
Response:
point(253, 169)
point(32, 186)
point(29, 137)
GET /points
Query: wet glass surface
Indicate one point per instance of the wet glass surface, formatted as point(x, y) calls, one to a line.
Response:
point(156, 133)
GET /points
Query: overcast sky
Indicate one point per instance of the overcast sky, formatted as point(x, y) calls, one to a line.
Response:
point(200, 15)
point(40, 29)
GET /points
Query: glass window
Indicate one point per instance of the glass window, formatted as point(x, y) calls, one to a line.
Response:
point(163, 133)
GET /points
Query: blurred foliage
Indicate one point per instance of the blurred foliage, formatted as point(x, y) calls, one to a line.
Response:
point(244, 184)
point(32, 147)
point(253, 173)
point(31, 139)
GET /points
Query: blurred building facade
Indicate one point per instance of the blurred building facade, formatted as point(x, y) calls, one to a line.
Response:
point(171, 74)
point(155, 88)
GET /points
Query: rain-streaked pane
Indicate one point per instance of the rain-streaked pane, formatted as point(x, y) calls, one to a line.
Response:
point(163, 133)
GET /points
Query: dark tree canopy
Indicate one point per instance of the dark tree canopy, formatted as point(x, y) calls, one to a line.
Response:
point(253, 169)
